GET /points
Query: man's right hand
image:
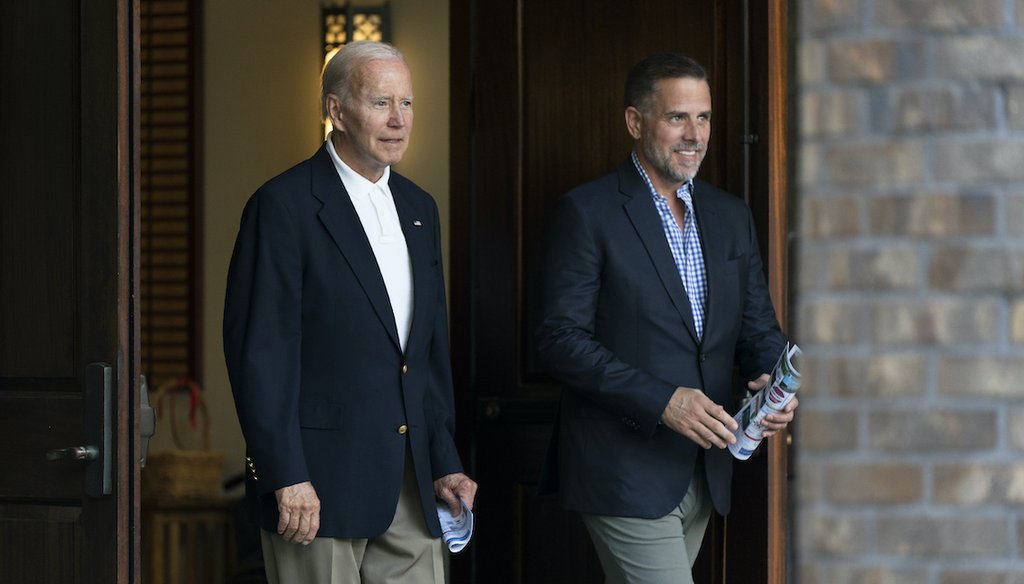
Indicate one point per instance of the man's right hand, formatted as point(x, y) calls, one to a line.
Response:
point(694, 415)
point(300, 513)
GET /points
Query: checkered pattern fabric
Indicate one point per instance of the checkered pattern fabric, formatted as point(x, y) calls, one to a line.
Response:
point(684, 244)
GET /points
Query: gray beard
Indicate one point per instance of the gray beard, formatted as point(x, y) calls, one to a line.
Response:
point(664, 167)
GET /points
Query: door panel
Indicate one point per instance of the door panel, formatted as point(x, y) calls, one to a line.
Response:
point(537, 90)
point(66, 275)
point(27, 529)
point(37, 194)
point(43, 422)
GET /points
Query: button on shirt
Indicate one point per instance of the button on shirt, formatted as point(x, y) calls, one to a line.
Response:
point(375, 206)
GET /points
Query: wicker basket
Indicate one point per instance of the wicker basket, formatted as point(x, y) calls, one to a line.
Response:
point(182, 473)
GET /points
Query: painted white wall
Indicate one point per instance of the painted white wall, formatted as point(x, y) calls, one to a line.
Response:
point(261, 113)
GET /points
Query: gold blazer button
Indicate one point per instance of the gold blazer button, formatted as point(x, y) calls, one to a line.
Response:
point(403, 429)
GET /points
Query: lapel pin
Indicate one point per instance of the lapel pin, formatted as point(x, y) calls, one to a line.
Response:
point(417, 223)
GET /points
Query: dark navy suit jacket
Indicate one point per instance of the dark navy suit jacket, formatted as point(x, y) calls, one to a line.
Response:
point(323, 391)
point(618, 332)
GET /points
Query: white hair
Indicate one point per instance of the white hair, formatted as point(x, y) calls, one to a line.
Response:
point(340, 71)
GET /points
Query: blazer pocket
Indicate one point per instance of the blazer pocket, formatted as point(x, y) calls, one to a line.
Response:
point(323, 416)
point(729, 268)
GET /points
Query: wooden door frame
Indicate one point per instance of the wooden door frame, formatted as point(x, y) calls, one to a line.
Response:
point(126, 471)
point(778, 255)
point(129, 387)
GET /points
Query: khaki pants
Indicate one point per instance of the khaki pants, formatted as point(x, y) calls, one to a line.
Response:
point(633, 550)
point(405, 553)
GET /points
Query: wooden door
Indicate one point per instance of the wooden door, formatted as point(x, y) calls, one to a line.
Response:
point(68, 356)
point(537, 108)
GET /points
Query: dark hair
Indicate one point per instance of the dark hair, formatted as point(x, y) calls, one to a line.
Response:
point(647, 73)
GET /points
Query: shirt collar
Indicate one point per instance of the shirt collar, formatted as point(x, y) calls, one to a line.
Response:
point(356, 184)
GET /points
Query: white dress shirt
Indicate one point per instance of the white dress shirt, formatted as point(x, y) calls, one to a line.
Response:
point(375, 206)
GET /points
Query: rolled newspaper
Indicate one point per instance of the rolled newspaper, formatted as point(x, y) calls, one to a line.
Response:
point(771, 399)
point(456, 531)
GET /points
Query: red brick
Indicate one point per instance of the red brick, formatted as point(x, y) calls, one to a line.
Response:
point(933, 215)
point(989, 377)
point(932, 430)
point(933, 537)
point(939, 14)
point(979, 484)
point(881, 484)
point(878, 163)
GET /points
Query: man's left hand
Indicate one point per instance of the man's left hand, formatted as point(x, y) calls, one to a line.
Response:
point(773, 423)
point(451, 488)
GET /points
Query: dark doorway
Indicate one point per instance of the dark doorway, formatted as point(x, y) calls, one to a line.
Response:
point(537, 109)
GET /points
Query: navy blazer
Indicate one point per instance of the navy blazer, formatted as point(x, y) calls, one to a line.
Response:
point(618, 332)
point(323, 390)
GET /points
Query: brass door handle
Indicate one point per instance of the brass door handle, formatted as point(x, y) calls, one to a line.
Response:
point(86, 453)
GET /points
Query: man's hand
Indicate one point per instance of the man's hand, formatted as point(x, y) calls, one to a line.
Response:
point(773, 423)
point(694, 415)
point(300, 513)
point(451, 488)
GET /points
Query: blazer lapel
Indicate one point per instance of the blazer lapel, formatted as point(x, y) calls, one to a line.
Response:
point(645, 219)
point(707, 225)
point(340, 219)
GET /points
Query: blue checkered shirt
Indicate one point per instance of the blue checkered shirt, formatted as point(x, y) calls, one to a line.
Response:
point(684, 244)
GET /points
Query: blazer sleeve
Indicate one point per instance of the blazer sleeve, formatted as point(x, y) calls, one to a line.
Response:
point(761, 341)
point(567, 348)
point(440, 402)
point(263, 337)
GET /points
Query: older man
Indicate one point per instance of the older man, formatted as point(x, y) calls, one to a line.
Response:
point(335, 334)
point(653, 290)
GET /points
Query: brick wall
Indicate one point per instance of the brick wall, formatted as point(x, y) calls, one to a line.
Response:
point(910, 291)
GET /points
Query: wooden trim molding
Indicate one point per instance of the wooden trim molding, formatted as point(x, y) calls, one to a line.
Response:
point(778, 176)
